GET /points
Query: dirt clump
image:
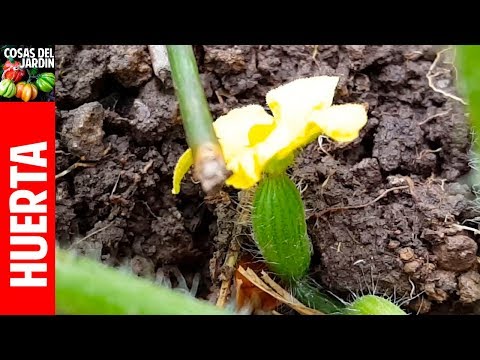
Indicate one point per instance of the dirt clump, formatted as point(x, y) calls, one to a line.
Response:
point(440, 285)
point(82, 131)
point(130, 64)
point(469, 287)
point(457, 253)
point(80, 73)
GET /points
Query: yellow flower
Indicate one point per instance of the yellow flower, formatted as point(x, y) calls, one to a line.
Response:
point(254, 142)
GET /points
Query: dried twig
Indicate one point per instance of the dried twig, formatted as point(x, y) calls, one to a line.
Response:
point(433, 117)
point(431, 76)
point(90, 235)
point(230, 263)
point(150, 210)
point(234, 249)
point(383, 194)
point(270, 289)
point(468, 228)
point(83, 163)
point(116, 184)
point(160, 64)
point(147, 167)
point(73, 167)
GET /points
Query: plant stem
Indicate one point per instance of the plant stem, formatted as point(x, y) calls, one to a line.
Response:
point(310, 295)
point(87, 287)
point(197, 120)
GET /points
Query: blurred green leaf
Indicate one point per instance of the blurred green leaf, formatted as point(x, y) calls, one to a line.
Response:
point(468, 64)
point(85, 286)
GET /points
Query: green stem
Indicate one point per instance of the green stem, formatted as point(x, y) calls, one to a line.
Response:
point(84, 286)
point(310, 295)
point(196, 117)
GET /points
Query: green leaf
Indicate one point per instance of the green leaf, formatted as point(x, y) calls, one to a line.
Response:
point(86, 287)
point(468, 63)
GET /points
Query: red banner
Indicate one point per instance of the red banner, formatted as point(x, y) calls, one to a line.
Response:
point(27, 208)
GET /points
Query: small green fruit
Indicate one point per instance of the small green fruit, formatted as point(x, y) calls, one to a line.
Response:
point(279, 227)
point(373, 305)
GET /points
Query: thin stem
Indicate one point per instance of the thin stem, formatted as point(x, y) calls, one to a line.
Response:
point(197, 119)
point(87, 287)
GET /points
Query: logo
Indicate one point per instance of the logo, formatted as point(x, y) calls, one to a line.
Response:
point(27, 74)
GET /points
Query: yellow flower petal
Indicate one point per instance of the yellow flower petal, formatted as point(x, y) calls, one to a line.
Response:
point(252, 140)
point(259, 133)
point(341, 122)
point(237, 132)
point(291, 103)
point(239, 127)
point(181, 168)
point(246, 170)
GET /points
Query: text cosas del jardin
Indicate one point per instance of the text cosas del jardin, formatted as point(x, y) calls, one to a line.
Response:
point(31, 57)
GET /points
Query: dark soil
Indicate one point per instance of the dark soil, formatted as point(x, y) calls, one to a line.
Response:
point(122, 124)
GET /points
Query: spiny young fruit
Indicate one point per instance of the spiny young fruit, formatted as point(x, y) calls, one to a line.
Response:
point(279, 227)
point(373, 305)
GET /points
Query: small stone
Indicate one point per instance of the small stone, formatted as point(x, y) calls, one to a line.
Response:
point(421, 305)
point(406, 254)
point(429, 267)
point(469, 287)
point(83, 132)
point(130, 65)
point(434, 293)
point(457, 253)
point(393, 244)
point(432, 236)
point(143, 267)
point(445, 280)
point(412, 266)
